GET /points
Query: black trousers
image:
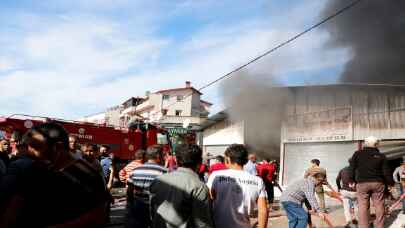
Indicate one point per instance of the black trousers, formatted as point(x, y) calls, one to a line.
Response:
point(138, 214)
point(270, 191)
point(308, 205)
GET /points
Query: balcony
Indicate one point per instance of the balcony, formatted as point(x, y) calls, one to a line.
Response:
point(181, 119)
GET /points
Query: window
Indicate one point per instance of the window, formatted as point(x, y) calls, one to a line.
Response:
point(164, 112)
point(166, 97)
point(180, 97)
point(178, 112)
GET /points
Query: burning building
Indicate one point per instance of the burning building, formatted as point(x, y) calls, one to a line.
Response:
point(329, 122)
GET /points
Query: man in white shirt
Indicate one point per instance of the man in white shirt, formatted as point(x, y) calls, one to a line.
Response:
point(250, 166)
point(399, 177)
point(236, 193)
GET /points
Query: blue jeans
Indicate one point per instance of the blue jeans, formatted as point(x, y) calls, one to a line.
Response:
point(297, 216)
point(402, 191)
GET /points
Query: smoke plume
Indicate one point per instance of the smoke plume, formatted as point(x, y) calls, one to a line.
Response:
point(259, 104)
point(374, 32)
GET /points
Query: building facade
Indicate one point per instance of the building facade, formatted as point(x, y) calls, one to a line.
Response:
point(218, 132)
point(180, 110)
point(329, 122)
point(173, 108)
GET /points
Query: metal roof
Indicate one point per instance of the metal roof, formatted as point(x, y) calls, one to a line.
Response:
point(222, 115)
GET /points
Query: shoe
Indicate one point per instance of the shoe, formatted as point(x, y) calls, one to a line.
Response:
point(348, 225)
point(355, 222)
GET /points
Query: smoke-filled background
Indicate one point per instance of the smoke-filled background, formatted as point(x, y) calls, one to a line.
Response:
point(260, 104)
point(374, 33)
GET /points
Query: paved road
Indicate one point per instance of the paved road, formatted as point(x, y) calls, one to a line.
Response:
point(396, 220)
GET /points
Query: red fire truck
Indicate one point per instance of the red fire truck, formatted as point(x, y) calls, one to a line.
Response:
point(124, 142)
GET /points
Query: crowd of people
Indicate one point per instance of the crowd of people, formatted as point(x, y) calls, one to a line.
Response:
point(48, 179)
point(45, 185)
point(194, 194)
point(367, 177)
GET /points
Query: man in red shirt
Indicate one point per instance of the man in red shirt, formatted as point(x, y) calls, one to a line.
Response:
point(266, 171)
point(219, 165)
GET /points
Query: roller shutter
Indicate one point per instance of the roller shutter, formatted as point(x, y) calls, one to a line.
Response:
point(333, 156)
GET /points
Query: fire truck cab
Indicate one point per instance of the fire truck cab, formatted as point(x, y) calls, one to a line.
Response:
point(124, 142)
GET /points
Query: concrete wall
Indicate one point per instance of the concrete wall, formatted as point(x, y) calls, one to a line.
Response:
point(113, 116)
point(172, 104)
point(195, 105)
point(224, 133)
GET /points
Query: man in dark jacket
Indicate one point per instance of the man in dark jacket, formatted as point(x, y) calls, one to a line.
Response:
point(179, 198)
point(370, 170)
point(348, 194)
point(46, 186)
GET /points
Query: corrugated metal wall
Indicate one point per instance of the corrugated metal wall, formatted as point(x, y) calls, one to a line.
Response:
point(377, 110)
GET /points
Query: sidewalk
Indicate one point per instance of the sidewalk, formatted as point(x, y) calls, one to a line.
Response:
point(277, 217)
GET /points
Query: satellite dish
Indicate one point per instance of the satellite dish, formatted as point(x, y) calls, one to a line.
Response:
point(186, 123)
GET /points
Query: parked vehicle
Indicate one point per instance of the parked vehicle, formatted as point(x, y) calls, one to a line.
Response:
point(124, 142)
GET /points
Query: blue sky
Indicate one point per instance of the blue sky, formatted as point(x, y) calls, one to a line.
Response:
point(67, 59)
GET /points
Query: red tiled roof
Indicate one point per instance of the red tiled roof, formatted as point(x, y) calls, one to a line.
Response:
point(179, 89)
point(206, 102)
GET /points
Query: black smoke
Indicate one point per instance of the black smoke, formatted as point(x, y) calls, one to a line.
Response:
point(374, 33)
point(260, 103)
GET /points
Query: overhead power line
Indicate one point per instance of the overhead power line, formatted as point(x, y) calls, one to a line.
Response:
point(352, 4)
point(290, 40)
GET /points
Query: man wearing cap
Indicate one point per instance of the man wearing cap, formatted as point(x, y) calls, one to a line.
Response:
point(315, 168)
point(370, 171)
point(399, 177)
point(296, 193)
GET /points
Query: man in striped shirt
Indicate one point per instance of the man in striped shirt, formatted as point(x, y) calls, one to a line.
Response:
point(127, 170)
point(138, 192)
point(295, 194)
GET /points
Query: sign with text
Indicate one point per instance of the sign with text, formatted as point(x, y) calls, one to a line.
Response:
point(329, 125)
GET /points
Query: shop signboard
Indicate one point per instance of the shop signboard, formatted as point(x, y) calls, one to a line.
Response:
point(328, 125)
